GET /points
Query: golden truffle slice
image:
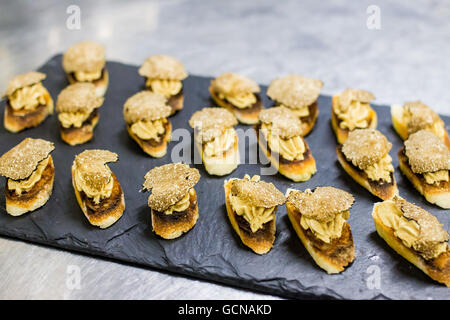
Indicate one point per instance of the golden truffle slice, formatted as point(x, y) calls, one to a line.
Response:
point(97, 189)
point(77, 108)
point(416, 235)
point(29, 172)
point(173, 202)
point(239, 95)
point(415, 116)
point(299, 94)
point(319, 219)
point(425, 161)
point(280, 137)
point(216, 140)
point(351, 110)
point(164, 75)
point(85, 62)
point(365, 157)
point(251, 205)
point(146, 115)
point(28, 103)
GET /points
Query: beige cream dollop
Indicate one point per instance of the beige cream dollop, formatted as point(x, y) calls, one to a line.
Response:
point(147, 130)
point(381, 170)
point(255, 216)
point(72, 119)
point(436, 177)
point(96, 194)
point(88, 76)
point(166, 87)
point(182, 204)
point(326, 230)
point(27, 184)
point(240, 100)
point(356, 115)
point(29, 98)
point(220, 144)
point(290, 149)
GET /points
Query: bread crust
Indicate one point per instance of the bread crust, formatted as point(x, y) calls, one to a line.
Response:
point(176, 102)
point(437, 269)
point(221, 166)
point(246, 115)
point(261, 241)
point(16, 121)
point(108, 211)
point(297, 170)
point(436, 194)
point(384, 191)
point(333, 257)
point(310, 120)
point(101, 84)
point(75, 136)
point(342, 134)
point(171, 226)
point(152, 147)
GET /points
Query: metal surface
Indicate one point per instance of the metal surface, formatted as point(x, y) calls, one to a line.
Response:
point(406, 59)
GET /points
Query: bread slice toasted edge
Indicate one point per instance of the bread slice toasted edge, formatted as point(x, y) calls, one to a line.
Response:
point(243, 117)
point(31, 119)
point(102, 222)
point(437, 269)
point(101, 85)
point(308, 126)
point(433, 194)
point(173, 229)
point(387, 194)
point(80, 135)
point(19, 207)
point(296, 171)
point(342, 134)
point(326, 262)
point(259, 247)
point(224, 165)
point(158, 151)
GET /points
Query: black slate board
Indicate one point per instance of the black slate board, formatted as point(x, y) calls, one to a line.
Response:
point(212, 251)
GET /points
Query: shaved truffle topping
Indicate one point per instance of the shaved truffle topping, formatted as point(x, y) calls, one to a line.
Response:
point(426, 152)
point(350, 95)
point(146, 105)
point(421, 116)
point(284, 122)
point(85, 56)
point(211, 122)
point(21, 161)
point(256, 192)
point(24, 80)
point(364, 147)
point(78, 97)
point(321, 204)
point(233, 84)
point(295, 91)
point(169, 184)
point(163, 67)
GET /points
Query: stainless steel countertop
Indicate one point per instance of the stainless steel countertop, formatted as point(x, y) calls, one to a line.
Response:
point(407, 59)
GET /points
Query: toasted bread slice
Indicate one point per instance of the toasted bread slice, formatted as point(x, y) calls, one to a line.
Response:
point(342, 134)
point(35, 198)
point(224, 164)
point(108, 211)
point(382, 190)
point(401, 127)
point(75, 136)
point(171, 226)
point(260, 241)
point(437, 269)
point(246, 115)
point(156, 149)
point(436, 194)
point(101, 84)
point(176, 102)
point(16, 121)
point(297, 170)
point(309, 121)
point(332, 257)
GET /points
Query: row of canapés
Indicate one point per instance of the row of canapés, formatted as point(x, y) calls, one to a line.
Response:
point(318, 216)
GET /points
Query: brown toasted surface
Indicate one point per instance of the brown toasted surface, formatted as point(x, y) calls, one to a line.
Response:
point(153, 147)
point(257, 193)
point(163, 67)
point(24, 80)
point(146, 105)
point(176, 102)
point(16, 121)
point(20, 162)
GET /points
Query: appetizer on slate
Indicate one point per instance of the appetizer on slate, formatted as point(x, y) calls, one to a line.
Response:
point(239, 95)
point(164, 75)
point(97, 189)
point(365, 157)
point(280, 137)
point(77, 108)
point(85, 62)
point(415, 116)
point(251, 205)
point(351, 110)
point(29, 172)
point(416, 235)
point(300, 94)
point(425, 161)
point(173, 202)
point(319, 218)
point(146, 116)
point(216, 140)
point(28, 102)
